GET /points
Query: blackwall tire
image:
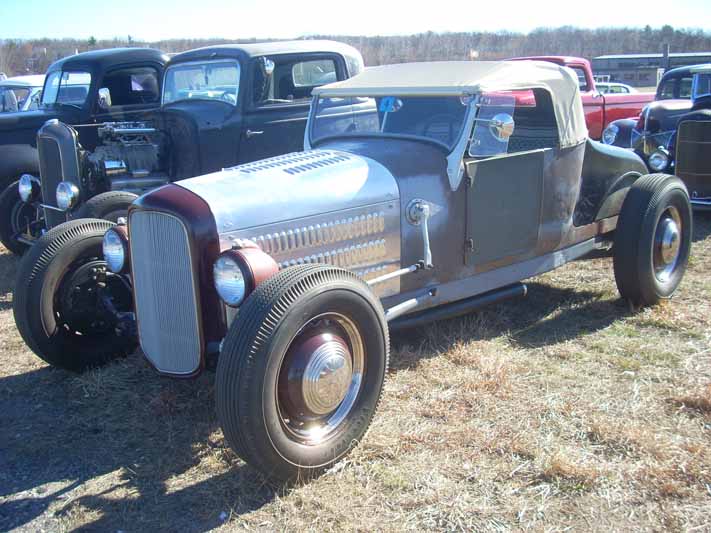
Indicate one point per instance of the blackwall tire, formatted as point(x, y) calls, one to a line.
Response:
point(39, 297)
point(13, 211)
point(107, 206)
point(264, 346)
point(653, 239)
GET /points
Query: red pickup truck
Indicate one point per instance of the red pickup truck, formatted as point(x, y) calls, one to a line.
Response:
point(600, 109)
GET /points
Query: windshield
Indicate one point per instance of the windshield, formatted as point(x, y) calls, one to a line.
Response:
point(205, 80)
point(702, 86)
point(12, 99)
point(66, 88)
point(434, 118)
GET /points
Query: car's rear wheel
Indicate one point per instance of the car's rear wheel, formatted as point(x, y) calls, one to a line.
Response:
point(68, 308)
point(301, 371)
point(108, 206)
point(653, 239)
point(16, 218)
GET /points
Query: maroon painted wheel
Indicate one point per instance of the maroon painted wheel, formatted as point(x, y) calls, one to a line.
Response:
point(301, 370)
point(320, 378)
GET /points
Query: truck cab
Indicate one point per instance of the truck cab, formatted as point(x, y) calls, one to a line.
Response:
point(72, 93)
point(220, 106)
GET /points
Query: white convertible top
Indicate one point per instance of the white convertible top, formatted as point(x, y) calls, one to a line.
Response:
point(457, 78)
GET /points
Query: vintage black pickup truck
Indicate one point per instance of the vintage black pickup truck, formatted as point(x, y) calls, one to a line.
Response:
point(71, 94)
point(221, 106)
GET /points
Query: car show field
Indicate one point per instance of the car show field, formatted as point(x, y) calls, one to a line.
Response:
point(562, 410)
point(283, 286)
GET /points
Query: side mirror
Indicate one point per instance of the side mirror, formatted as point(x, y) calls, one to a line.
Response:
point(502, 126)
point(104, 99)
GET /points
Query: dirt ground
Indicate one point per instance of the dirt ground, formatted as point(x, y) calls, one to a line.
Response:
point(563, 410)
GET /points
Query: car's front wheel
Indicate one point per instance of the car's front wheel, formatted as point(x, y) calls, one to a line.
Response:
point(301, 371)
point(653, 239)
point(17, 218)
point(68, 308)
point(109, 205)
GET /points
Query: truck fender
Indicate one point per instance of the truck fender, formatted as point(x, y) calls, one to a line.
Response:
point(15, 160)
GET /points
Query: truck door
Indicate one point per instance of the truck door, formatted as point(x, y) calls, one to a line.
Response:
point(275, 118)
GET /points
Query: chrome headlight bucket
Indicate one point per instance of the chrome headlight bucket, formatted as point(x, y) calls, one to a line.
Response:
point(230, 280)
point(115, 249)
point(28, 188)
point(67, 195)
point(659, 160)
point(610, 134)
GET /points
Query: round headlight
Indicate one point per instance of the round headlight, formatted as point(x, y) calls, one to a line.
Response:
point(115, 247)
point(659, 160)
point(67, 195)
point(27, 188)
point(230, 281)
point(610, 134)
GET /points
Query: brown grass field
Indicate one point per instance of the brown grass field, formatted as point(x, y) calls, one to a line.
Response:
point(561, 411)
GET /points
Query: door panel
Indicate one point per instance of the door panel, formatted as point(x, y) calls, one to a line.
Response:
point(504, 207)
point(273, 130)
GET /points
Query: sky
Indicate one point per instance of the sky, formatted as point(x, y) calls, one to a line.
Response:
point(153, 20)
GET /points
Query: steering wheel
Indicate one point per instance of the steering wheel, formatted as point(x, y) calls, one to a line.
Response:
point(440, 119)
point(229, 98)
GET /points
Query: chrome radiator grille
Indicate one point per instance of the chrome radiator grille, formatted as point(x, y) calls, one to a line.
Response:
point(165, 292)
point(693, 164)
point(51, 175)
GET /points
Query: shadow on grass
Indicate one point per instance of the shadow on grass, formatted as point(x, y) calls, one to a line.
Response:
point(702, 225)
point(126, 436)
point(546, 316)
point(8, 270)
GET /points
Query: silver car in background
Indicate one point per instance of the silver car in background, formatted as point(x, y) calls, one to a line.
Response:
point(21, 93)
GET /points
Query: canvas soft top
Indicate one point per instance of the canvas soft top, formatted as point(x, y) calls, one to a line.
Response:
point(459, 78)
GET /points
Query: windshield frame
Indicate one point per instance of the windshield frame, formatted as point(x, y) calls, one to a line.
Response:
point(455, 157)
point(695, 86)
point(61, 73)
point(380, 135)
point(233, 61)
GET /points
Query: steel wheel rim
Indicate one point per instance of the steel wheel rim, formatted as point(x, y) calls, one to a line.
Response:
point(21, 213)
point(314, 428)
point(667, 244)
point(89, 276)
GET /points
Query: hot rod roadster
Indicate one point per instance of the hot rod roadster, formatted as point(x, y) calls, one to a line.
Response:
point(424, 191)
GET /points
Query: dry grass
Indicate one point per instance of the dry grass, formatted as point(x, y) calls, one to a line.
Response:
point(561, 411)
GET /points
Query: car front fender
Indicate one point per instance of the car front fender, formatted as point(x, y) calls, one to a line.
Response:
point(15, 160)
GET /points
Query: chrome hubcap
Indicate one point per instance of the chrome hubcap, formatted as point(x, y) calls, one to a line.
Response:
point(667, 244)
point(320, 378)
point(327, 376)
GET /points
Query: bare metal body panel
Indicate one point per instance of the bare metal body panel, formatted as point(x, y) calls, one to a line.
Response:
point(320, 206)
point(291, 187)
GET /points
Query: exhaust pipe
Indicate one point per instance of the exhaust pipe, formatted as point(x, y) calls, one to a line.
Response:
point(459, 307)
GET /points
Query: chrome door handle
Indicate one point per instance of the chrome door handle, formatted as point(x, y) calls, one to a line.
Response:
point(251, 133)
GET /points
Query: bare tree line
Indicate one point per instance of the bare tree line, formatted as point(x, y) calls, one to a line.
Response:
point(35, 55)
